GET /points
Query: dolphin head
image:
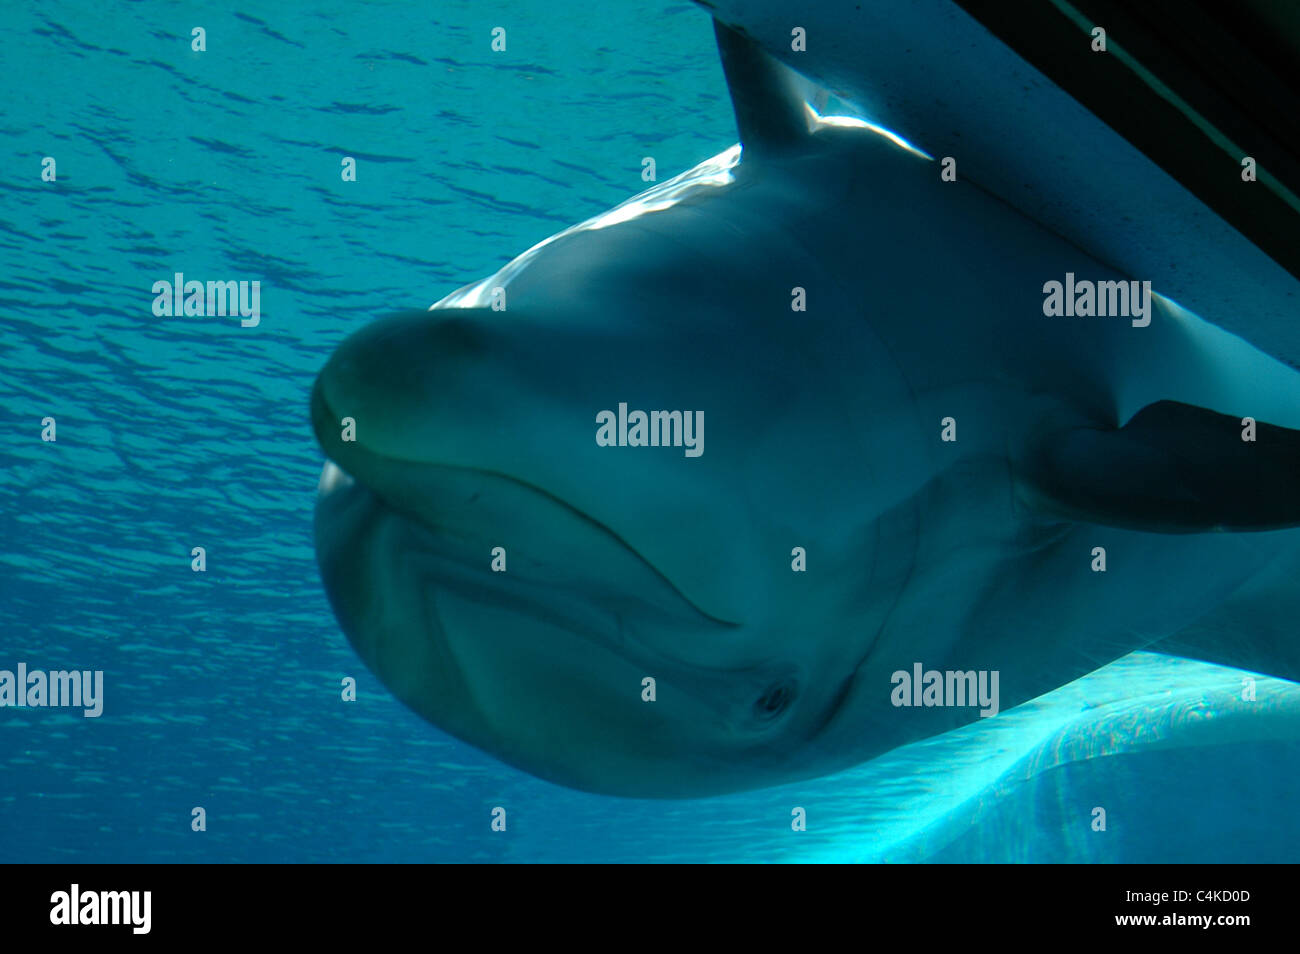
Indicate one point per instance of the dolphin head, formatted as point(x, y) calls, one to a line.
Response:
point(629, 619)
point(471, 431)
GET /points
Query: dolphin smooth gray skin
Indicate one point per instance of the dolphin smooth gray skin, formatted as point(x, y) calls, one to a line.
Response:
point(476, 429)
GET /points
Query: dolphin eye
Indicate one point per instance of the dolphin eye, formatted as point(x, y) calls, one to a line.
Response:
point(775, 700)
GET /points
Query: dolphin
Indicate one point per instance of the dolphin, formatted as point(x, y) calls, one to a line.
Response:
point(903, 462)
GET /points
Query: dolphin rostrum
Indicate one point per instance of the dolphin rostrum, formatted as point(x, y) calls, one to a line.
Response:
point(910, 464)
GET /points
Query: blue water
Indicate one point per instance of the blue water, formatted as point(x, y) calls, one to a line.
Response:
point(222, 688)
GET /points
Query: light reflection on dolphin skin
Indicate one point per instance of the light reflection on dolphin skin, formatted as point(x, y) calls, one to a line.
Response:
point(475, 429)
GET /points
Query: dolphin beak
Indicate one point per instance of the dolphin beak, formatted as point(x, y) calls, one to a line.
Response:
point(381, 391)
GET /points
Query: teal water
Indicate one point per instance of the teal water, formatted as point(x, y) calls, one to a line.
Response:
point(222, 688)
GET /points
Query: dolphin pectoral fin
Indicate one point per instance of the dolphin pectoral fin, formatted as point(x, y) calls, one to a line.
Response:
point(771, 113)
point(1174, 468)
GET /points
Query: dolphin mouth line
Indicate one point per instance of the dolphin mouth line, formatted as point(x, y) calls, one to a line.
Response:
point(321, 412)
point(590, 521)
point(443, 556)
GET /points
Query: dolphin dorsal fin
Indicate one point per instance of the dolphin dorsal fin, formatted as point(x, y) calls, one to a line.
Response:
point(771, 113)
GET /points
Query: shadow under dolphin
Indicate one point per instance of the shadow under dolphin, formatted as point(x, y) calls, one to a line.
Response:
point(902, 461)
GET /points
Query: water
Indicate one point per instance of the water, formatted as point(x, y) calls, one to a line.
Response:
point(222, 688)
